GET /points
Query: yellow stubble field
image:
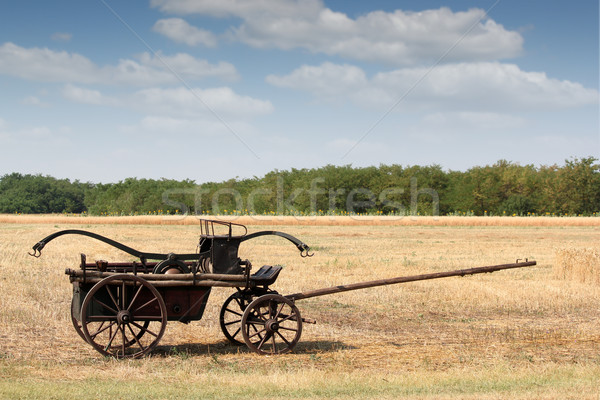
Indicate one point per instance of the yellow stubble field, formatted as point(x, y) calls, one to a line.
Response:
point(525, 333)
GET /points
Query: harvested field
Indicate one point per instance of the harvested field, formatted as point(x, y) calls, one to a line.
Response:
point(582, 265)
point(512, 334)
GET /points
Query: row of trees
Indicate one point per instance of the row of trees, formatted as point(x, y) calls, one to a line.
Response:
point(504, 188)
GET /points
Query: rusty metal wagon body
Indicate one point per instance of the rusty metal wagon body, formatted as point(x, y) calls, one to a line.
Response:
point(122, 309)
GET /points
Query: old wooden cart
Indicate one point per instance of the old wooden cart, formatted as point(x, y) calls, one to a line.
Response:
point(122, 308)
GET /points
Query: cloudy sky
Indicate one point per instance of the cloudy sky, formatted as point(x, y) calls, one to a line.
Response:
point(208, 90)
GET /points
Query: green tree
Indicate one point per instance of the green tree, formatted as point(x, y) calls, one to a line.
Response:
point(40, 194)
point(579, 186)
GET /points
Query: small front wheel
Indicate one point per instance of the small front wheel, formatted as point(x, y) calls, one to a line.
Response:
point(231, 315)
point(271, 324)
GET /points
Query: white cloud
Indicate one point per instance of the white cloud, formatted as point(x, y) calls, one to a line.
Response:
point(34, 101)
point(61, 36)
point(35, 134)
point(187, 66)
point(177, 128)
point(180, 31)
point(46, 65)
point(181, 102)
point(486, 86)
point(472, 121)
point(327, 80)
point(43, 64)
point(239, 8)
point(88, 96)
point(395, 38)
point(176, 103)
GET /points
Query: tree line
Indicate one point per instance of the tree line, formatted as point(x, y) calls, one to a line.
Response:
point(504, 188)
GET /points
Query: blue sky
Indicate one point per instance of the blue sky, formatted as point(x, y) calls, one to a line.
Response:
point(103, 90)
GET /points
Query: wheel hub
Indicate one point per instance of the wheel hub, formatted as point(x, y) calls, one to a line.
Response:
point(124, 317)
point(272, 326)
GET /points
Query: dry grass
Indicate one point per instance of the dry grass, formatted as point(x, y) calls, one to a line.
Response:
point(582, 265)
point(512, 334)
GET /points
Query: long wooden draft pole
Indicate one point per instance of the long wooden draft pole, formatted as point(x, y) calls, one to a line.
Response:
point(405, 279)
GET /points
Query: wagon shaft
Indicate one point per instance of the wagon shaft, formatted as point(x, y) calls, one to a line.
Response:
point(405, 279)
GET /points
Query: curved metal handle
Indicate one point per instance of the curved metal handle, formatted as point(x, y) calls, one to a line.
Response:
point(37, 249)
point(305, 250)
point(303, 247)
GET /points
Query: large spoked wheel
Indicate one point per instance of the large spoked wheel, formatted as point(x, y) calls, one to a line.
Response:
point(231, 315)
point(77, 326)
point(271, 324)
point(123, 316)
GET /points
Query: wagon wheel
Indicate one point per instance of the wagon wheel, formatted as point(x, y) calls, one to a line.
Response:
point(123, 316)
point(271, 324)
point(231, 315)
point(77, 326)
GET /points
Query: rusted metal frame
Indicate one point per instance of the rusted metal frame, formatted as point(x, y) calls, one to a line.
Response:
point(76, 273)
point(248, 266)
point(405, 279)
point(134, 266)
point(207, 228)
point(83, 264)
point(172, 283)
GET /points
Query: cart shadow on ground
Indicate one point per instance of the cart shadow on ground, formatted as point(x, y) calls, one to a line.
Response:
point(225, 348)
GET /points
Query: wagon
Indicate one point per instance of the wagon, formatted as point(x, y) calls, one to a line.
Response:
point(122, 308)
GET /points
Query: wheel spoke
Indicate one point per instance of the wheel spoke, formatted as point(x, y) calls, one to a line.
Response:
point(284, 339)
point(274, 344)
point(112, 337)
point(288, 317)
point(123, 295)
point(123, 337)
point(257, 332)
point(134, 297)
point(115, 302)
point(145, 305)
point(262, 342)
point(259, 323)
point(239, 302)
point(234, 312)
point(105, 306)
point(279, 311)
point(146, 330)
point(101, 329)
point(236, 332)
point(135, 337)
point(288, 329)
point(232, 322)
point(100, 318)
